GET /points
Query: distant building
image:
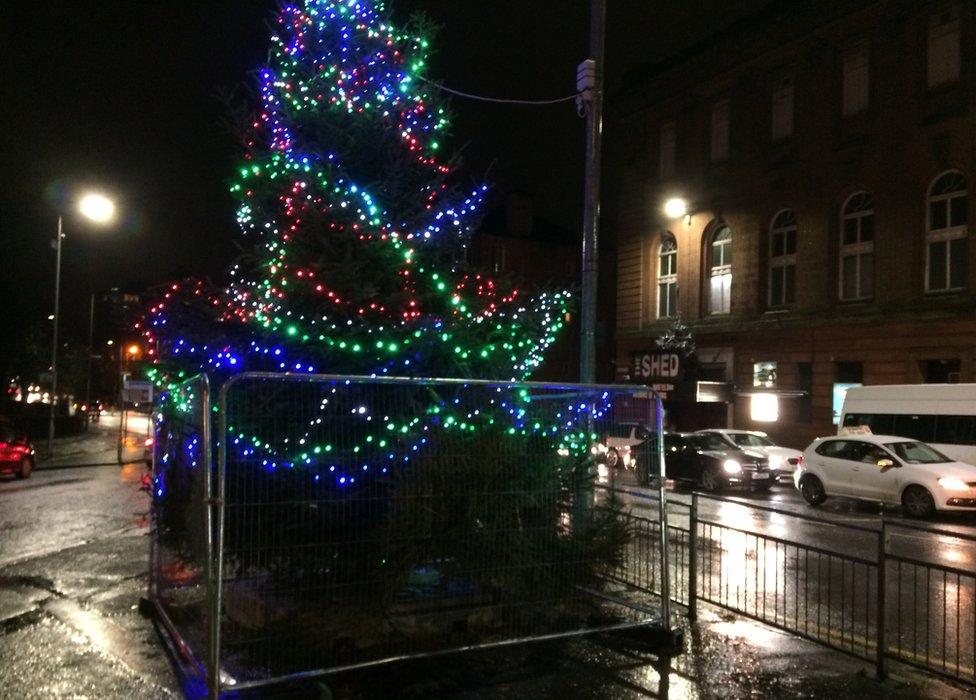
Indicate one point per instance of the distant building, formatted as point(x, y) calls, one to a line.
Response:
point(825, 151)
point(513, 240)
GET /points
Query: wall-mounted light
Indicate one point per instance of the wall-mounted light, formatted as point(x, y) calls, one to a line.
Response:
point(764, 408)
point(675, 208)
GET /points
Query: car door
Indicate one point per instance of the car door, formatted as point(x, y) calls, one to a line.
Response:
point(676, 457)
point(869, 481)
point(833, 466)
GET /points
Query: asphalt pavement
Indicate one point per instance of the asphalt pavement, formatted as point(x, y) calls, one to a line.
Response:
point(73, 544)
point(73, 566)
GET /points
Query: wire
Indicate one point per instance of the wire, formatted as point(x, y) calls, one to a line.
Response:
point(500, 100)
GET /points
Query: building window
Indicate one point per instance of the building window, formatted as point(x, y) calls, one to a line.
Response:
point(943, 56)
point(804, 383)
point(857, 247)
point(720, 131)
point(498, 258)
point(947, 228)
point(720, 272)
point(668, 148)
point(782, 259)
point(764, 374)
point(856, 79)
point(940, 371)
point(667, 278)
point(782, 123)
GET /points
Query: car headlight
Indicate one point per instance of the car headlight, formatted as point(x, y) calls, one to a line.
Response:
point(950, 483)
point(775, 462)
point(731, 466)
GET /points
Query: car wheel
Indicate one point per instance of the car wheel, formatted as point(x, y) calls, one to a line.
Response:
point(711, 480)
point(613, 459)
point(25, 469)
point(812, 490)
point(917, 502)
point(763, 488)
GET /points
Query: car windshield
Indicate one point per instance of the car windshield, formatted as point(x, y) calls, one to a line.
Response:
point(750, 440)
point(917, 453)
point(709, 442)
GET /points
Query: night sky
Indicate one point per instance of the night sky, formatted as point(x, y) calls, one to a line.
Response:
point(125, 97)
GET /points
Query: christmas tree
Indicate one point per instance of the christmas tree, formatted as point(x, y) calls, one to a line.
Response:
point(355, 228)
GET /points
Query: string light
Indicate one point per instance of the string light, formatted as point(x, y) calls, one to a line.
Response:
point(357, 234)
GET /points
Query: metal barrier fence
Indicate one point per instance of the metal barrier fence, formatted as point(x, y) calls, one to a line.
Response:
point(932, 609)
point(181, 576)
point(823, 594)
point(926, 616)
point(353, 521)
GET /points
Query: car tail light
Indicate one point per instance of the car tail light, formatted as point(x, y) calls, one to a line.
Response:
point(799, 461)
point(149, 442)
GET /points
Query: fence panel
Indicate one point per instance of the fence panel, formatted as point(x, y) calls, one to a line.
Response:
point(366, 520)
point(828, 596)
point(932, 608)
point(180, 549)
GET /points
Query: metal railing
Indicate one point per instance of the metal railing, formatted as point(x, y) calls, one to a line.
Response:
point(932, 609)
point(861, 597)
point(181, 555)
point(354, 521)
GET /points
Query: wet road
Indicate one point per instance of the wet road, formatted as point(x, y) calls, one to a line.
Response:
point(73, 545)
point(821, 577)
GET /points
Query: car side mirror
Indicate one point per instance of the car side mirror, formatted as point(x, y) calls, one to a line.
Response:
point(886, 463)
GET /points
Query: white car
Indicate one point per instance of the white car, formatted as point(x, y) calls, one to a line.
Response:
point(888, 469)
point(619, 443)
point(783, 461)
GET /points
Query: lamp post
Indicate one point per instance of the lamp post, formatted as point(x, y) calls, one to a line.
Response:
point(97, 208)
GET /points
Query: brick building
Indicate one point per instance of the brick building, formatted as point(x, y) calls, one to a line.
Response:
point(824, 151)
point(512, 240)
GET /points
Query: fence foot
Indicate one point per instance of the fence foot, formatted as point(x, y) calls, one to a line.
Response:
point(653, 639)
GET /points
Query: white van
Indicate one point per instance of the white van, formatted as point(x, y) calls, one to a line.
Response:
point(942, 415)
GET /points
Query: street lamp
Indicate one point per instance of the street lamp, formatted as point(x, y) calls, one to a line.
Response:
point(675, 208)
point(100, 209)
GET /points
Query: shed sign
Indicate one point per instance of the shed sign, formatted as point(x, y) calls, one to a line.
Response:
point(655, 366)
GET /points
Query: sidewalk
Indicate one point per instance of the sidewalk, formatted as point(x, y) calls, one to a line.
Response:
point(725, 657)
point(69, 627)
point(96, 447)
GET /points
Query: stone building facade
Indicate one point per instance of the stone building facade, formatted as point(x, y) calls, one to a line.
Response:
point(824, 152)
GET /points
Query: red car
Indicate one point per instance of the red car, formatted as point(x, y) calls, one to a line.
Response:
point(16, 453)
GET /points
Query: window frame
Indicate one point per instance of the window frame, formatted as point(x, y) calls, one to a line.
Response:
point(783, 223)
point(947, 234)
point(719, 146)
point(855, 94)
point(942, 25)
point(670, 279)
point(859, 249)
point(724, 269)
point(783, 97)
point(668, 160)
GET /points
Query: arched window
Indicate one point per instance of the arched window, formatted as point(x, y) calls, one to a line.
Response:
point(667, 278)
point(782, 259)
point(857, 247)
point(720, 271)
point(945, 241)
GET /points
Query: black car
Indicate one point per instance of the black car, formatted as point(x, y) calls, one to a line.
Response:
point(711, 463)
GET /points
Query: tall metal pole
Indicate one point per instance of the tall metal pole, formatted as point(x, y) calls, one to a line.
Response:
point(91, 337)
point(593, 101)
point(54, 343)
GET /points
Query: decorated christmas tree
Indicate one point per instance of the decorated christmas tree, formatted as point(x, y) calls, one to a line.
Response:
point(355, 230)
point(354, 225)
